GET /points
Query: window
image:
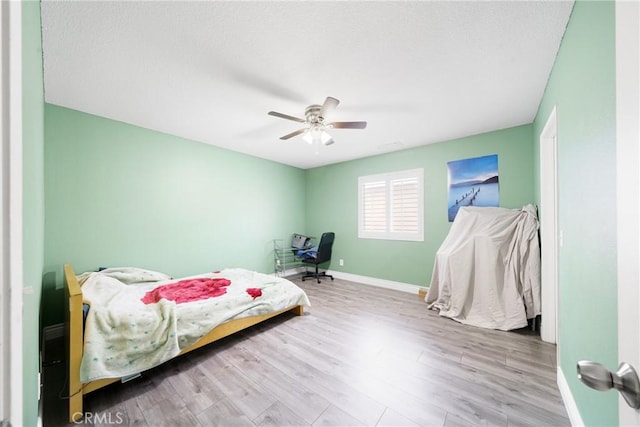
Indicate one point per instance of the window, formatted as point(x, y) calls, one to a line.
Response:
point(390, 206)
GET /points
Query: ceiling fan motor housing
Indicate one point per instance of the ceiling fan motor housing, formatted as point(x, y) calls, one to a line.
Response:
point(313, 114)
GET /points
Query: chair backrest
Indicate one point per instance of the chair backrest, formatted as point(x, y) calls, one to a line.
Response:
point(324, 247)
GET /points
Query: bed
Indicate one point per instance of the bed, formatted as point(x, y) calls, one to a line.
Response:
point(123, 321)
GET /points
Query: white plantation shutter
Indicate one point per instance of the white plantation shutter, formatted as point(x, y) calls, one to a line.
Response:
point(390, 206)
point(375, 207)
point(404, 205)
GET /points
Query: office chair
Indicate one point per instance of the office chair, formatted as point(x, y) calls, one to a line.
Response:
point(323, 255)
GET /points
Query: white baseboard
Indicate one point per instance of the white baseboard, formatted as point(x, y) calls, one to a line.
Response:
point(569, 402)
point(39, 422)
point(52, 332)
point(373, 281)
point(365, 280)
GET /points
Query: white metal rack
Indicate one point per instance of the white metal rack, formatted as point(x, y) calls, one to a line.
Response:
point(284, 258)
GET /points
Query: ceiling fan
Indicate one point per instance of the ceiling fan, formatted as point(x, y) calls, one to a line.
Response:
point(316, 127)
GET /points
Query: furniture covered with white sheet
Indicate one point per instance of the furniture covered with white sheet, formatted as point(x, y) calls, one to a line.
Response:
point(487, 270)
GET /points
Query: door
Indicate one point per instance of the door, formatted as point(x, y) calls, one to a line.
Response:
point(11, 214)
point(4, 229)
point(628, 190)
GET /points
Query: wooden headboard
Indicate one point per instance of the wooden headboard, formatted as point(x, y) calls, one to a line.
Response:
point(74, 341)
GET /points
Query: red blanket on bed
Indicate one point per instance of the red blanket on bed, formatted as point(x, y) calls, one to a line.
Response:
point(188, 290)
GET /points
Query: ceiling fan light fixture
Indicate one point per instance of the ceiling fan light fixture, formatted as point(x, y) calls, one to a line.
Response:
point(317, 135)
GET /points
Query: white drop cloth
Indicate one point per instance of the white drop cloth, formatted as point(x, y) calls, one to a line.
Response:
point(487, 270)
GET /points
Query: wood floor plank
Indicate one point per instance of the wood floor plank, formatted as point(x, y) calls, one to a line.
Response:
point(246, 395)
point(224, 414)
point(336, 417)
point(154, 389)
point(510, 373)
point(391, 418)
point(169, 413)
point(279, 414)
point(535, 366)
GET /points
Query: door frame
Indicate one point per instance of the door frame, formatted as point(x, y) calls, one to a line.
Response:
point(11, 257)
point(627, 21)
point(5, 370)
point(549, 228)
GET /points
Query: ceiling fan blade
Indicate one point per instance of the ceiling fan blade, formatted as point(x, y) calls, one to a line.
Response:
point(347, 125)
point(329, 104)
point(286, 116)
point(292, 134)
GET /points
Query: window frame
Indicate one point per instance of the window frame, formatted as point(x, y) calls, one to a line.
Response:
point(388, 178)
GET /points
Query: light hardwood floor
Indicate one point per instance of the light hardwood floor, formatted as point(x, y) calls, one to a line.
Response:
point(360, 356)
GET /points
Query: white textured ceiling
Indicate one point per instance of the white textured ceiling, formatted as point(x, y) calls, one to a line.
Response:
point(417, 72)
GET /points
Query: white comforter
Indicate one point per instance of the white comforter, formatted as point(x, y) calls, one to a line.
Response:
point(487, 271)
point(124, 336)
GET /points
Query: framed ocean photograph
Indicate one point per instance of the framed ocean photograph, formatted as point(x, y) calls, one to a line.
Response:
point(473, 182)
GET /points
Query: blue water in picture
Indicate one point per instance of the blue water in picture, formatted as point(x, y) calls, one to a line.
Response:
point(472, 195)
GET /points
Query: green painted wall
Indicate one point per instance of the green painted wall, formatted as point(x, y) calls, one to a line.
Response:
point(33, 203)
point(117, 195)
point(582, 85)
point(332, 201)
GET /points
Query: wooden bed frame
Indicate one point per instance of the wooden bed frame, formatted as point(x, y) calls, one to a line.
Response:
point(75, 341)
